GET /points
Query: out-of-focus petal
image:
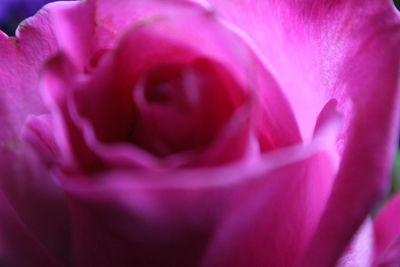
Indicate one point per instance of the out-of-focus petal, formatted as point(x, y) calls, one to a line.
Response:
point(361, 250)
point(113, 70)
point(221, 213)
point(171, 218)
point(58, 83)
point(18, 246)
point(74, 23)
point(387, 235)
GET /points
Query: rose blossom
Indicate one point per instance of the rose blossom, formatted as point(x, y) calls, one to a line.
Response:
point(200, 133)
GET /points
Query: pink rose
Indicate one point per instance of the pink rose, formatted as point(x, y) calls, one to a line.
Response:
point(200, 133)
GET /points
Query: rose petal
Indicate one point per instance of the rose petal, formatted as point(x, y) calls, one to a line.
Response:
point(369, 143)
point(25, 183)
point(74, 25)
point(18, 247)
point(320, 49)
point(272, 222)
point(387, 234)
point(219, 43)
point(21, 59)
point(113, 120)
point(176, 223)
point(60, 76)
point(360, 252)
point(176, 212)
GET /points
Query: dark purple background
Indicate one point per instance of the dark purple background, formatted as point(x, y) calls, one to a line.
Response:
point(397, 4)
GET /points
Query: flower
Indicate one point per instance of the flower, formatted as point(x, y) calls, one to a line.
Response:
point(199, 133)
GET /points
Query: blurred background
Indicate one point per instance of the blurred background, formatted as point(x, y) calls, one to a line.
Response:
point(12, 12)
point(397, 4)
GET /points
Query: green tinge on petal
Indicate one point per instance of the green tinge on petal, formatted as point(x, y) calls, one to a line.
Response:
point(396, 175)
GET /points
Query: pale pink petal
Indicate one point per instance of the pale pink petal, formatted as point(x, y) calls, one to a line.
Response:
point(361, 250)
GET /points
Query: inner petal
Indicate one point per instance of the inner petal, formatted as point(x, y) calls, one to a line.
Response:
point(183, 106)
point(163, 83)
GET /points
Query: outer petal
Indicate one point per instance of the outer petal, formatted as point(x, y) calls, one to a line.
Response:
point(342, 49)
point(222, 214)
point(85, 27)
point(387, 234)
point(370, 143)
point(217, 216)
point(25, 182)
point(361, 250)
point(21, 59)
point(271, 222)
point(17, 245)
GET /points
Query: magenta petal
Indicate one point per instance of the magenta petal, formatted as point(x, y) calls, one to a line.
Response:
point(74, 28)
point(178, 224)
point(369, 143)
point(114, 79)
point(231, 214)
point(114, 226)
point(342, 49)
point(286, 207)
point(21, 59)
point(387, 234)
point(26, 200)
point(57, 79)
point(361, 250)
point(271, 223)
point(39, 134)
point(18, 247)
point(60, 78)
point(29, 192)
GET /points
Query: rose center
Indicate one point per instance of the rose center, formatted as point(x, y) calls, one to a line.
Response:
point(161, 84)
point(181, 107)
